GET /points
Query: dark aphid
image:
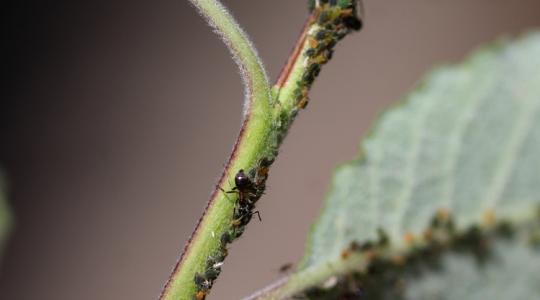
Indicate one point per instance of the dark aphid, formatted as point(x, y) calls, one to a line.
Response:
point(331, 43)
point(352, 22)
point(238, 231)
point(311, 5)
point(311, 72)
point(326, 56)
point(315, 69)
point(199, 279)
point(285, 268)
point(504, 229)
point(308, 78)
point(384, 240)
point(202, 283)
point(298, 92)
point(323, 18)
point(321, 46)
point(225, 239)
point(322, 34)
point(212, 273)
point(310, 52)
point(243, 216)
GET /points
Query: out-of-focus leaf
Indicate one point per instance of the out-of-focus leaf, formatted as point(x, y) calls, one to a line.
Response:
point(467, 141)
point(510, 272)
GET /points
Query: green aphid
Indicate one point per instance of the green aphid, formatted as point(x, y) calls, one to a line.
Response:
point(311, 5)
point(344, 4)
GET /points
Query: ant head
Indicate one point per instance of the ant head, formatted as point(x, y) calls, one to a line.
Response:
point(241, 180)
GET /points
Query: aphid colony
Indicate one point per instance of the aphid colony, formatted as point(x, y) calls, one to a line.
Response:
point(334, 20)
point(386, 273)
point(249, 187)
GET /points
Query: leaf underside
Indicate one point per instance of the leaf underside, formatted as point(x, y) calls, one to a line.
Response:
point(467, 143)
point(510, 273)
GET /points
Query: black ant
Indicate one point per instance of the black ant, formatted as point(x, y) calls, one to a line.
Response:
point(248, 194)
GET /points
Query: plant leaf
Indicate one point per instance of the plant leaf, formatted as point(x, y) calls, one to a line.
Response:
point(467, 141)
point(465, 145)
point(511, 273)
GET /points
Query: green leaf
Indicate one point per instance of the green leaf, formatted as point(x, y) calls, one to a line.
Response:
point(510, 273)
point(463, 148)
point(467, 141)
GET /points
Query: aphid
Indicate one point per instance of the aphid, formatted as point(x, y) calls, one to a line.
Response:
point(201, 295)
point(384, 240)
point(245, 216)
point(218, 257)
point(212, 273)
point(262, 171)
point(202, 282)
point(352, 22)
point(344, 4)
point(315, 69)
point(312, 43)
point(311, 5)
point(322, 34)
point(323, 18)
point(354, 247)
point(225, 239)
point(303, 102)
point(285, 268)
point(308, 78)
point(237, 231)
point(488, 217)
point(346, 253)
point(310, 52)
point(428, 234)
point(321, 47)
point(409, 238)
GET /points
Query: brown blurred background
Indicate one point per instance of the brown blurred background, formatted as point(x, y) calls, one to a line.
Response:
point(116, 119)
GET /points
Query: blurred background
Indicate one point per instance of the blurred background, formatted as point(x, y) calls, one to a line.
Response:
point(117, 116)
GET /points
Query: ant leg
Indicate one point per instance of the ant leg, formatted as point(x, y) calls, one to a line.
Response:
point(258, 215)
point(234, 190)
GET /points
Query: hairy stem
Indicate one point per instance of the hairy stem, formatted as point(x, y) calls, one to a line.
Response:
point(268, 115)
point(251, 141)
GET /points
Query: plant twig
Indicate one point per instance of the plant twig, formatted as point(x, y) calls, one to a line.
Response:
point(267, 118)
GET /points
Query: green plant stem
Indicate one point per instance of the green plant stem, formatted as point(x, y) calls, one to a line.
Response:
point(251, 142)
point(267, 118)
